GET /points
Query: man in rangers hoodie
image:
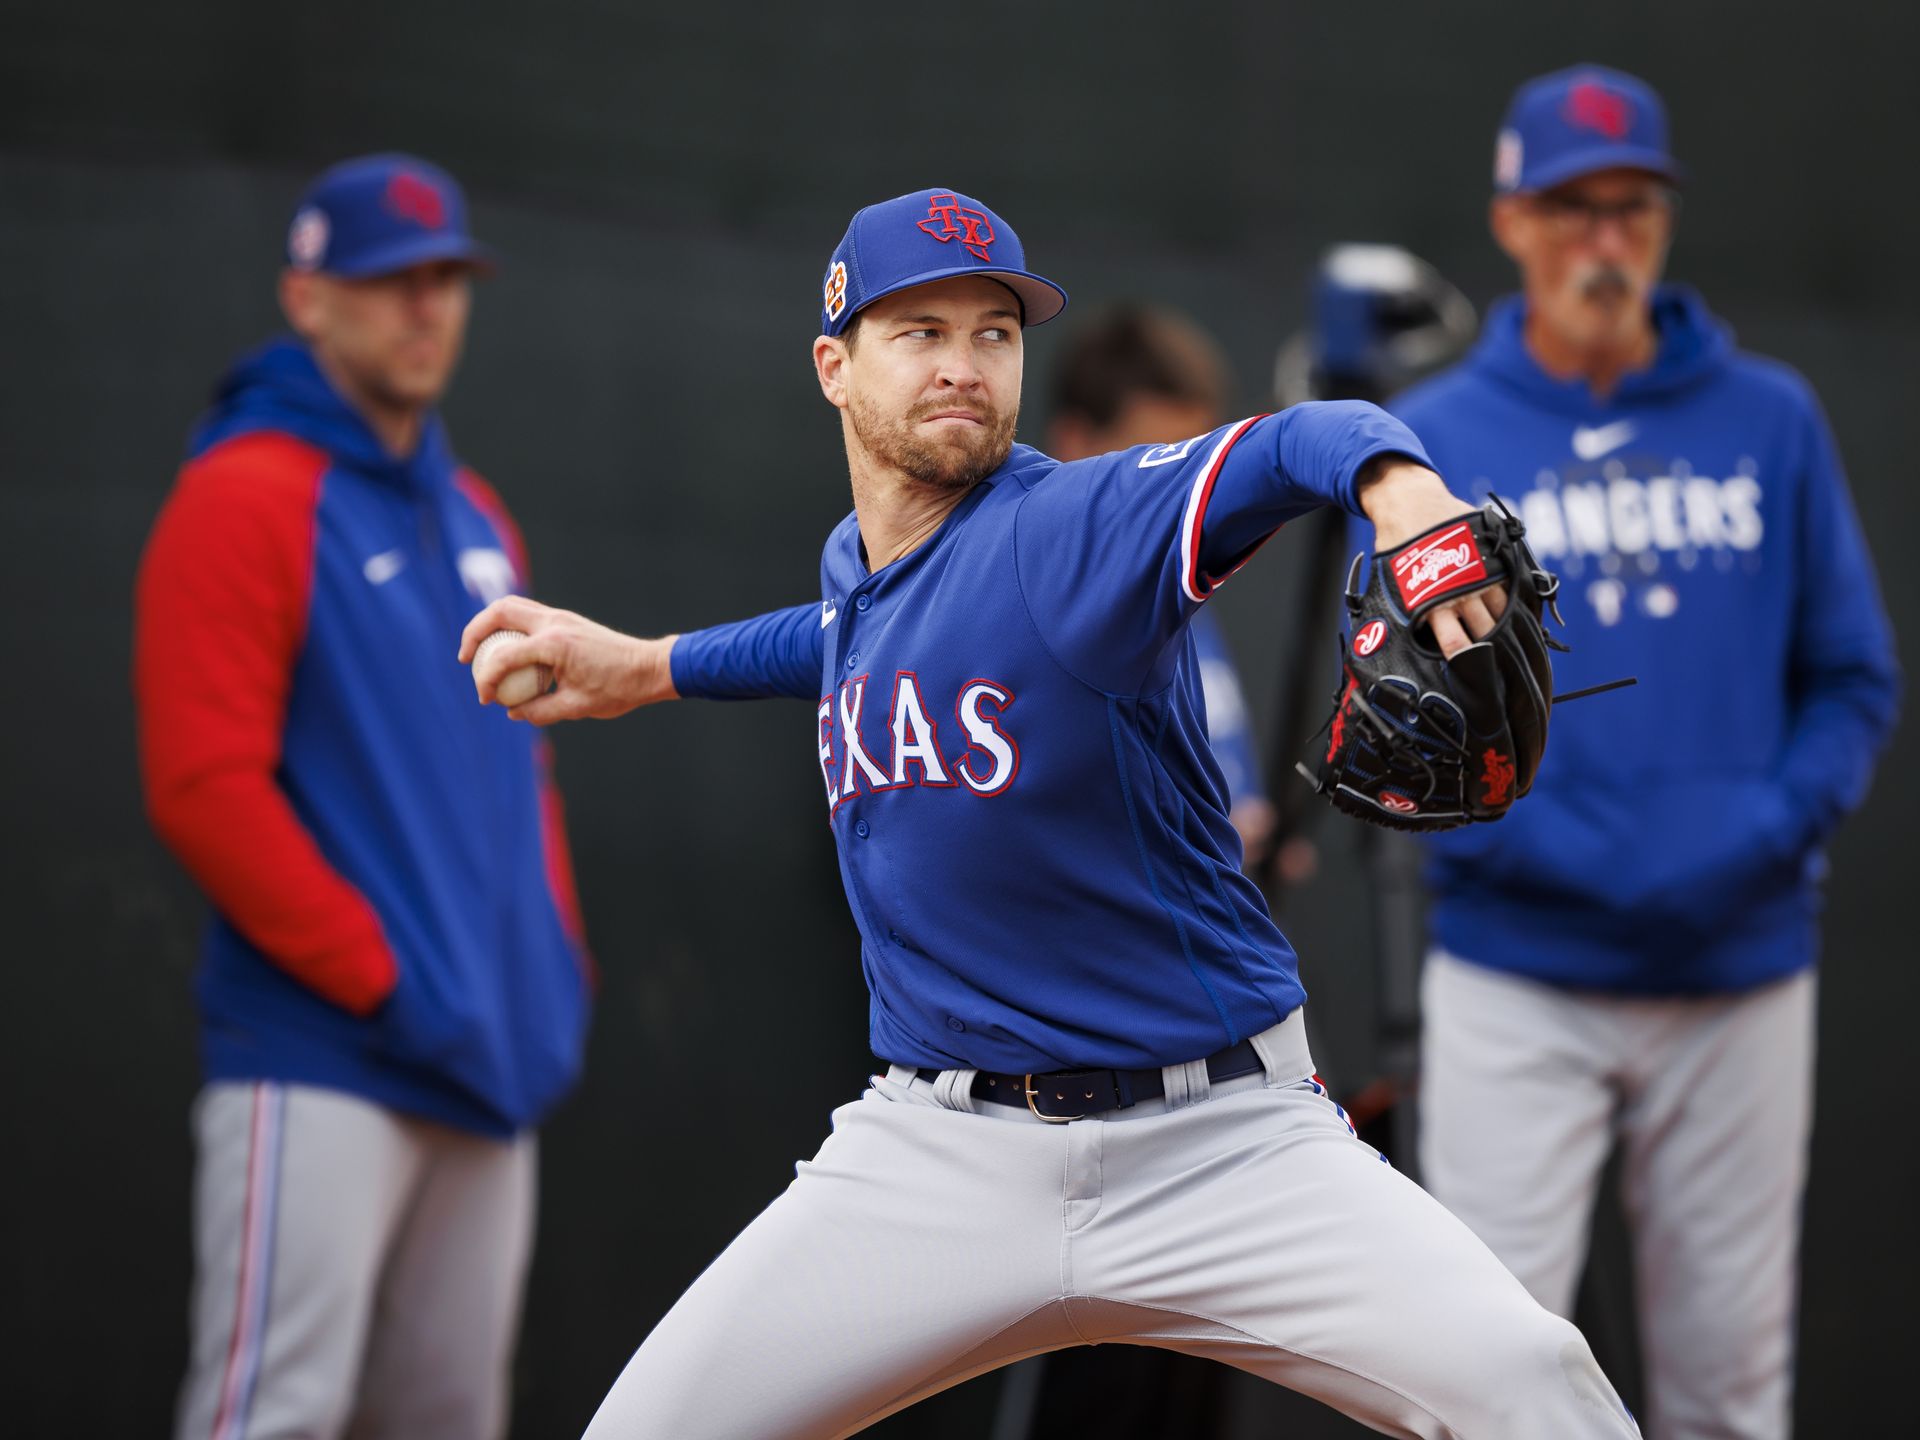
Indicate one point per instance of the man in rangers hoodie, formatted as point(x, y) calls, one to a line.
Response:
point(393, 988)
point(1629, 954)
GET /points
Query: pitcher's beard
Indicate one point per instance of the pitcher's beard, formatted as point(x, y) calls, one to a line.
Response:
point(954, 462)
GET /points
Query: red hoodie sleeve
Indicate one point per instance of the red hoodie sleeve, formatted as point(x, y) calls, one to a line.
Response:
point(220, 616)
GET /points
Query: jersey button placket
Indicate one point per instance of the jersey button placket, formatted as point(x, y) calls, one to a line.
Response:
point(862, 829)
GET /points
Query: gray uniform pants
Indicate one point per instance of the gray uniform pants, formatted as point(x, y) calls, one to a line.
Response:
point(935, 1237)
point(1525, 1088)
point(356, 1273)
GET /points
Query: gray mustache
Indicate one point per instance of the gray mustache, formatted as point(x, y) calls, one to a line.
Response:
point(1606, 283)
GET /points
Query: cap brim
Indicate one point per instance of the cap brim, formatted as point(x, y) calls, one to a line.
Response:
point(1601, 157)
point(1040, 299)
point(419, 250)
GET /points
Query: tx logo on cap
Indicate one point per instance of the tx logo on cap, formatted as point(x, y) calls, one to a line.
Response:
point(948, 218)
point(411, 198)
point(1593, 106)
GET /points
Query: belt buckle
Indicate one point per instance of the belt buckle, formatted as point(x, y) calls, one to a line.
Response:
point(1027, 1085)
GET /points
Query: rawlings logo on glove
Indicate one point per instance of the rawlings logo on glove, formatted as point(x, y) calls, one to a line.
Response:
point(1439, 568)
point(1420, 742)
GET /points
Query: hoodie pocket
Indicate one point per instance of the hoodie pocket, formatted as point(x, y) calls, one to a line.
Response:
point(1746, 853)
point(423, 1027)
point(1689, 854)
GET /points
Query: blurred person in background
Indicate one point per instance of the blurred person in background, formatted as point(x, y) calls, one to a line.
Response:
point(1629, 955)
point(394, 984)
point(1140, 375)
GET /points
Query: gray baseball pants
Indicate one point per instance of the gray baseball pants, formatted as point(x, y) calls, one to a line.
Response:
point(1524, 1089)
point(356, 1273)
point(935, 1237)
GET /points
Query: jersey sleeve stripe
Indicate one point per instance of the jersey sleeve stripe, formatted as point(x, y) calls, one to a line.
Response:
point(1196, 585)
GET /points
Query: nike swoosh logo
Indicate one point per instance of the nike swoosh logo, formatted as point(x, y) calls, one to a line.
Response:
point(383, 567)
point(827, 611)
point(1601, 440)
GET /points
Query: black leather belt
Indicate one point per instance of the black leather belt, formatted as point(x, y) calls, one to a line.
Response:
point(1073, 1094)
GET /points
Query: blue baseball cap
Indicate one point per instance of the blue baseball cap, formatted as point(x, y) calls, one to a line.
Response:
point(926, 236)
point(379, 214)
point(1574, 122)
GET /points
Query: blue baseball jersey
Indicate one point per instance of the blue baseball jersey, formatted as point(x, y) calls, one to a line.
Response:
point(1229, 726)
point(1012, 745)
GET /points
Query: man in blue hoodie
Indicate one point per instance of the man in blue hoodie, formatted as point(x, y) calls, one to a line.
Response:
point(1629, 955)
point(394, 984)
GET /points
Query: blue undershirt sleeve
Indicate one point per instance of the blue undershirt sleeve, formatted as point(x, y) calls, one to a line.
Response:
point(775, 654)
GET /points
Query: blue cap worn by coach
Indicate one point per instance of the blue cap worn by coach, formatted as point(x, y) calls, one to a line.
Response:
point(926, 236)
point(379, 214)
point(1574, 122)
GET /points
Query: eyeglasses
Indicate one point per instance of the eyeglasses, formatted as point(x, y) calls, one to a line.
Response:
point(1639, 216)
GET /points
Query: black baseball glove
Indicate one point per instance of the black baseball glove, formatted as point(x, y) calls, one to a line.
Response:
point(1419, 742)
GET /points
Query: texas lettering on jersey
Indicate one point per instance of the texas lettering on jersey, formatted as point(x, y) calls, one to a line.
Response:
point(903, 747)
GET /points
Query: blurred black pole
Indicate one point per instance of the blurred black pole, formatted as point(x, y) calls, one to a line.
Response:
point(1382, 319)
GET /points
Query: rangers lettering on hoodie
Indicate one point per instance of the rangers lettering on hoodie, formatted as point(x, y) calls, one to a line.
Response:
point(1572, 518)
point(1616, 536)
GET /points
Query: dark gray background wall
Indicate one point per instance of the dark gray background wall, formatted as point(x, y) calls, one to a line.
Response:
point(666, 183)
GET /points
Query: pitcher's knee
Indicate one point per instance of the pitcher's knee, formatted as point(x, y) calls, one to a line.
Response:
point(1541, 1379)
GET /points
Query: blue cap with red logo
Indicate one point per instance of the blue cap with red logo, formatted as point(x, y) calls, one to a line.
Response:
point(926, 236)
point(1574, 122)
point(379, 214)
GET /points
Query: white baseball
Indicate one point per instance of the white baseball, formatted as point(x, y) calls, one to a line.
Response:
point(516, 687)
